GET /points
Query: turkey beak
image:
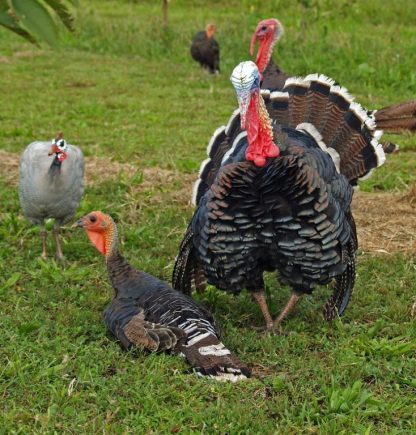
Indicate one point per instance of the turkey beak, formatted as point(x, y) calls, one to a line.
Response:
point(258, 34)
point(78, 224)
point(53, 150)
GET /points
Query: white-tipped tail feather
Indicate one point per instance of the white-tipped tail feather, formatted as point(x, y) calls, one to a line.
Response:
point(311, 130)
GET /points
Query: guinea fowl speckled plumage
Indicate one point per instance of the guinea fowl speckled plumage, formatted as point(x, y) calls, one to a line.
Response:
point(206, 50)
point(147, 313)
point(51, 185)
point(392, 119)
point(277, 196)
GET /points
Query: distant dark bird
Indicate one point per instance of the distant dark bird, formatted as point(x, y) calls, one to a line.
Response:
point(277, 196)
point(147, 313)
point(51, 185)
point(205, 49)
point(394, 118)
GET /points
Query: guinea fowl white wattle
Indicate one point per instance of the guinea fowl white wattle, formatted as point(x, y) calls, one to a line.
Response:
point(51, 185)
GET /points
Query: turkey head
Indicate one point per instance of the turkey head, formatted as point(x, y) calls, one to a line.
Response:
point(267, 32)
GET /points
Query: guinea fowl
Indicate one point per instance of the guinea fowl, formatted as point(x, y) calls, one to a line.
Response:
point(147, 313)
point(275, 198)
point(205, 49)
point(51, 185)
point(394, 118)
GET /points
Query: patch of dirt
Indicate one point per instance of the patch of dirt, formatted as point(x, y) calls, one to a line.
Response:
point(97, 169)
point(28, 53)
point(386, 222)
point(9, 167)
point(80, 84)
point(157, 181)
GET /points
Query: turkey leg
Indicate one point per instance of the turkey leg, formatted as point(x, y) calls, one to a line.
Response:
point(260, 297)
point(286, 310)
point(58, 254)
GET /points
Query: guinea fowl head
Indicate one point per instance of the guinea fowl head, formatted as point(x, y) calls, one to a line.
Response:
point(267, 32)
point(210, 29)
point(59, 147)
point(101, 230)
point(253, 113)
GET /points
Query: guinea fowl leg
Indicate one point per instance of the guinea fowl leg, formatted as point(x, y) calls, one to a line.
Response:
point(58, 254)
point(43, 236)
point(260, 297)
point(286, 310)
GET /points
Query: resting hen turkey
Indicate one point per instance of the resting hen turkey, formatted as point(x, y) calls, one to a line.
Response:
point(148, 314)
point(276, 196)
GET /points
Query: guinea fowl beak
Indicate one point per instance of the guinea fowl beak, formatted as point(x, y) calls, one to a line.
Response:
point(53, 150)
point(78, 224)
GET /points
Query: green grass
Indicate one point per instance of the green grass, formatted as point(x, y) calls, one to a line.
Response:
point(122, 88)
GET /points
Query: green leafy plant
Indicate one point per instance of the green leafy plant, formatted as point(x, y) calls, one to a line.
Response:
point(36, 20)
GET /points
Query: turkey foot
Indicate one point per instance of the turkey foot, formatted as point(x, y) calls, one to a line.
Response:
point(270, 330)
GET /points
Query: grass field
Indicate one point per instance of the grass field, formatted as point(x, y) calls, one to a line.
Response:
point(128, 94)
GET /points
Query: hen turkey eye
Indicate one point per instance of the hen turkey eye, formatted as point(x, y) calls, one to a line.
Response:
point(264, 28)
point(93, 218)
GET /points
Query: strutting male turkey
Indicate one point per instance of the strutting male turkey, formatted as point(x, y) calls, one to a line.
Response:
point(147, 313)
point(276, 196)
point(51, 185)
point(205, 49)
point(394, 118)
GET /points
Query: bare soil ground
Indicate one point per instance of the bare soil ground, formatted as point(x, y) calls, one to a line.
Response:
point(386, 222)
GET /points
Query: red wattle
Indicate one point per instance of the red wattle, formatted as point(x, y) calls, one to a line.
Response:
point(263, 54)
point(261, 143)
point(98, 240)
point(272, 151)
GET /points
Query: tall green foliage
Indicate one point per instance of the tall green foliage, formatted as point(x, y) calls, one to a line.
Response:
point(36, 20)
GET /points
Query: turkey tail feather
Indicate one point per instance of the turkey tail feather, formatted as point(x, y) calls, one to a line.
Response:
point(218, 145)
point(327, 112)
point(338, 302)
point(397, 124)
point(401, 110)
point(183, 272)
point(210, 357)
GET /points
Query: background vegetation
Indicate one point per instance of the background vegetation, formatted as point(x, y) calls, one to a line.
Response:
point(127, 92)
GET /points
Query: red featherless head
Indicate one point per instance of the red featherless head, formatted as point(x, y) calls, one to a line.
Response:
point(100, 229)
point(210, 29)
point(267, 32)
